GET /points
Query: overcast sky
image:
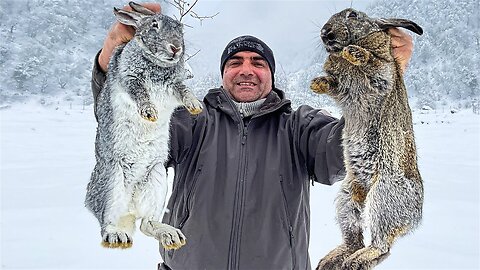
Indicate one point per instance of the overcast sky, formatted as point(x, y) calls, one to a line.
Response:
point(290, 28)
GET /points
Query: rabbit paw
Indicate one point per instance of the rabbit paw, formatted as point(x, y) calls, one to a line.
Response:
point(119, 235)
point(334, 259)
point(170, 237)
point(148, 112)
point(193, 105)
point(364, 259)
point(117, 240)
point(356, 55)
point(322, 85)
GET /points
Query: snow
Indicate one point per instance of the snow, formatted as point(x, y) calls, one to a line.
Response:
point(47, 155)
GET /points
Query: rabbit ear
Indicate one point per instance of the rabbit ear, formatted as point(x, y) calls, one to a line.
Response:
point(407, 24)
point(140, 9)
point(127, 17)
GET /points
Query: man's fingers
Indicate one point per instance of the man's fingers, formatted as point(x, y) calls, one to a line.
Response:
point(124, 33)
point(400, 38)
point(402, 45)
point(121, 33)
point(396, 32)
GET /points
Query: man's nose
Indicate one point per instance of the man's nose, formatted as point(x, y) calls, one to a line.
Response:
point(246, 69)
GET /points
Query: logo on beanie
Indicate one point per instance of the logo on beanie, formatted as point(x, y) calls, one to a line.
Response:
point(248, 43)
point(244, 45)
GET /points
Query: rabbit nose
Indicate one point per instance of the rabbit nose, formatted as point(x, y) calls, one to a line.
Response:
point(175, 49)
point(327, 34)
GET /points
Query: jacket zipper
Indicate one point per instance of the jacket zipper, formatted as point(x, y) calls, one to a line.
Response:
point(289, 224)
point(239, 203)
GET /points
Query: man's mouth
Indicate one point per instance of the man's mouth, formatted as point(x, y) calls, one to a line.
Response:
point(246, 84)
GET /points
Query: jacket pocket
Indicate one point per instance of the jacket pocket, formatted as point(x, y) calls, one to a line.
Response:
point(187, 206)
point(189, 198)
point(288, 221)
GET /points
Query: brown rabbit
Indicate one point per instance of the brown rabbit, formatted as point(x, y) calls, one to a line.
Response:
point(383, 189)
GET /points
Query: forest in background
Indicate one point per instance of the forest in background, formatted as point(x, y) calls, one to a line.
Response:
point(47, 49)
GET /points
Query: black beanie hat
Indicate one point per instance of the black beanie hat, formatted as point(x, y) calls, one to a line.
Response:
point(248, 43)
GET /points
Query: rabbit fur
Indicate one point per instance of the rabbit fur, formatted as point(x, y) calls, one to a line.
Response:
point(143, 88)
point(382, 189)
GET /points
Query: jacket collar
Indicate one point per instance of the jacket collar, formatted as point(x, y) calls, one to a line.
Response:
point(220, 99)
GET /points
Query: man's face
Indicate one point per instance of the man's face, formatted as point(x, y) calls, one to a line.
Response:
point(247, 77)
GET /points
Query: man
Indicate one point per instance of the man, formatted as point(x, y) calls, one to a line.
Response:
point(242, 166)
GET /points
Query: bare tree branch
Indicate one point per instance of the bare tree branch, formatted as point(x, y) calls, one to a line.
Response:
point(194, 15)
point(184, 8)
point(191, 56)
point(188, 10)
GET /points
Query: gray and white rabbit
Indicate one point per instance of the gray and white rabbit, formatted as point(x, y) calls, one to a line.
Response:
point(383, 189)
point(144, 85)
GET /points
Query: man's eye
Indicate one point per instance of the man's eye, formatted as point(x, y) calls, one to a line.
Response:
point(259, 64)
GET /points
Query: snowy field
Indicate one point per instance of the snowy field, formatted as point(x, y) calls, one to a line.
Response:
point(47, 155)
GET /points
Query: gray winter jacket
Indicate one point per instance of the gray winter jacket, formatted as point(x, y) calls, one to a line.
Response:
point(241, 190)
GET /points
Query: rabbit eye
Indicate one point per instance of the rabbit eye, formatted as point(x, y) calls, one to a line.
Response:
point(155, 24)
point(352, 14)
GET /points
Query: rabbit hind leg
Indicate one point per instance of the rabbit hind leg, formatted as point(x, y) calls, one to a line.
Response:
point(156, 189)
point(364, 259)
point(170, 237)
point(119, 236)
point(349, 209)
point(387, 216)
point(368, 257)
point(394, 208)
point(118, 223)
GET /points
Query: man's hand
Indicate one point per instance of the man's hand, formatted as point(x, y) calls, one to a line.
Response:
point(402, 45)
point(119, 34)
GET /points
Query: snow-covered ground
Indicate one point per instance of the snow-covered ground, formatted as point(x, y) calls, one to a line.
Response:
point(47, 155)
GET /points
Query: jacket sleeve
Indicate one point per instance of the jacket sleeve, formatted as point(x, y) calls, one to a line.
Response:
point(183, 134)
point(320, 142)
point(98, 80)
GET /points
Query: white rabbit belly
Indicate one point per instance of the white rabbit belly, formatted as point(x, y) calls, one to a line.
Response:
point(139, 143)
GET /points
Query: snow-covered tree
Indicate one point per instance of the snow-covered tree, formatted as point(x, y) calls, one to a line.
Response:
point(47, 49)
point(48, 46)
point(445, 64)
